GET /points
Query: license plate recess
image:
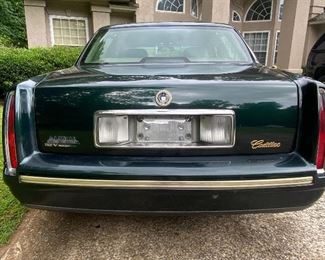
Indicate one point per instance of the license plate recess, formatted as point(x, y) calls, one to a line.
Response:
point(161, 128)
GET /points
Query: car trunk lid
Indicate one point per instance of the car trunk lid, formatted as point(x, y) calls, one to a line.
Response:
point(265, 103)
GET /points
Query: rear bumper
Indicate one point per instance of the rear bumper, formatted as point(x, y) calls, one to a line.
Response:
point(167, 185)
point(191, 200)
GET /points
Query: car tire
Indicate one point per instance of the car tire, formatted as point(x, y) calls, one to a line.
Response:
point(322, 79)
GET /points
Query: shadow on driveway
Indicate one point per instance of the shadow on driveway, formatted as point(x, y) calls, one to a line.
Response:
point(52, 235)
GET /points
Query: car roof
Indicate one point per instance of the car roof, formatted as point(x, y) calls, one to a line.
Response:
point(167, 24)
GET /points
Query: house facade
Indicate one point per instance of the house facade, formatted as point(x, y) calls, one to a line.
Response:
point(280, 32)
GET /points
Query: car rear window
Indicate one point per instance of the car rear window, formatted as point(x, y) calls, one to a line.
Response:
point(166, 44)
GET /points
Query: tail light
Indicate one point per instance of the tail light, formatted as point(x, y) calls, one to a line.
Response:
point(321, 136)
point(9, 134)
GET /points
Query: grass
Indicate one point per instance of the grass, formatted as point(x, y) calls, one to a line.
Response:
point(11, 211)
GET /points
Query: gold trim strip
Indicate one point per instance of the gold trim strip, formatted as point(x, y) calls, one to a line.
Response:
point(182, 185)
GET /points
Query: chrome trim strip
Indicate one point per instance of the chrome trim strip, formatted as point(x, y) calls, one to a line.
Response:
point(320, 171)
point(182, 185)
point(178, 112)
point(164, 112)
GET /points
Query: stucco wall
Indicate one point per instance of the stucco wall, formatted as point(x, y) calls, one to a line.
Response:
point(36, 23)
point(317, 7)
point(145, 12)
point(122, 18)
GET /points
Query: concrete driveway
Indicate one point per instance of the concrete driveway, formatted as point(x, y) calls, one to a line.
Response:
point(50, 235)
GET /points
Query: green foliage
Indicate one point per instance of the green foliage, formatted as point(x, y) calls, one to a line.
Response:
point(18, 64)
point(5, 42)
point(12, 23)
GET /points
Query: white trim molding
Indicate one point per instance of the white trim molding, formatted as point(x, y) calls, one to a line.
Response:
point(277, 35)
point(51, 17)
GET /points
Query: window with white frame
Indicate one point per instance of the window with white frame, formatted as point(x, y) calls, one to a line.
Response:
point(176, 6)
point(258, 41)
point(69, 31)
point(277, 37)
point(260, 10)
point(235, 16)
point(194, 8)
point(281, 9)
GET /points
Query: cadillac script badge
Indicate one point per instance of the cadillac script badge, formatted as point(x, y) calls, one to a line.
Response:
point(260, 144)
point(163, 98)
point(62, 141)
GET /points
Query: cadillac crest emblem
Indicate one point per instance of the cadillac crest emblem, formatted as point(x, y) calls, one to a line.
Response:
point(163, 98)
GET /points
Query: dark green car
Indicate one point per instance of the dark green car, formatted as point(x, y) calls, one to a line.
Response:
point(166, 118)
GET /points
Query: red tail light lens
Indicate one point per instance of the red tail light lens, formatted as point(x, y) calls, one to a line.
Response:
point(321, 138)
point(10, 138)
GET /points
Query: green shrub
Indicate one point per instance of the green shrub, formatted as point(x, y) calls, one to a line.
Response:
point(18, 64)
point(5, 42)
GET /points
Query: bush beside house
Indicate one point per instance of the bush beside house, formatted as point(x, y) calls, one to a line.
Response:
point(19, 64)
point(16, 65)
